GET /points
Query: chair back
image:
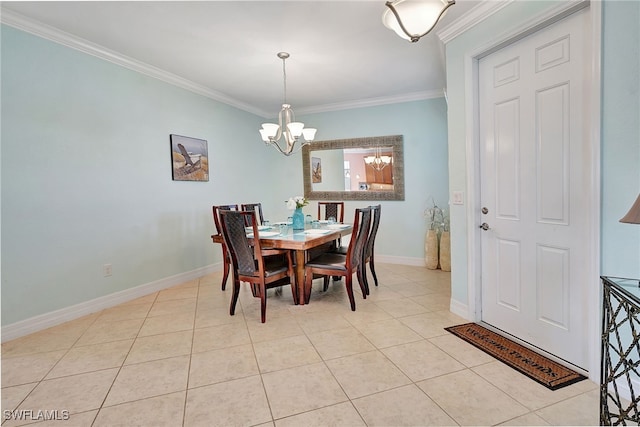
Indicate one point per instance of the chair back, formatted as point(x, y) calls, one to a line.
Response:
point(361, 226)
point(375, 222)
point(235, 237)
point(216, 216)
point(254, 207)
point(331, 209)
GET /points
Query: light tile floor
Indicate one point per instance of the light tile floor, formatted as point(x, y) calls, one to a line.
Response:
point(176, 357)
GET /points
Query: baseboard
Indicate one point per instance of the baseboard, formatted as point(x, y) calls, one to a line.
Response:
point(47, 320)
point(418, 262)
point(460, 309)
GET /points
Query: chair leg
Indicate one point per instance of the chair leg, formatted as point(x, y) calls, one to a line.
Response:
point(372, 267)
point(263, 302)
point(326, 283)
point(349, 285)
point(362, 279)
point(225, 267)
point(234, 296)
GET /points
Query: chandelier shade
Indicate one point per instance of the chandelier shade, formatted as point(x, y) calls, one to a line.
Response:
point(287, 128)
point(413, 19)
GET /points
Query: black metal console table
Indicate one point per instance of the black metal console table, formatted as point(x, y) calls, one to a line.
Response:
point(620, 351)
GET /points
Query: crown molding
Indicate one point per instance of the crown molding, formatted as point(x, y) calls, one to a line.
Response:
point(372, 102)
point(55, 35)
point(470, 19)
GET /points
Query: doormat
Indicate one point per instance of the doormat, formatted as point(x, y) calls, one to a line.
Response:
point(539, 368)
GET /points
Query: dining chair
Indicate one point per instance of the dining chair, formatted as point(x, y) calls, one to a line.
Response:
point(257, 207)
point(335, 210)
point(369, 250)
point(226, 261)
point(331, 264)
point(252, 263)
point(331, 209)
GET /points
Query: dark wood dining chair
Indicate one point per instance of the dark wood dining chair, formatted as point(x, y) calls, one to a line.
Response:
point(335, 210)
point(331, 209)
point(369, 250)
point(262, 268)
point(257, 207)
point(226, 261)
point(332, 264)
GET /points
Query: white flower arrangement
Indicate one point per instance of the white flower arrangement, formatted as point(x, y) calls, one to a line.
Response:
point(297, 202)
point(437, 218)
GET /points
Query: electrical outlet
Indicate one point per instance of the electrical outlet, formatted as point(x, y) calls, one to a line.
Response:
point(106, 269)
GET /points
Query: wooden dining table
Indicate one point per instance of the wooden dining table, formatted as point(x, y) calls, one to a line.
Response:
point(300, 242)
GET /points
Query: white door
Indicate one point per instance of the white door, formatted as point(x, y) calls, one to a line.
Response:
point(533, 103)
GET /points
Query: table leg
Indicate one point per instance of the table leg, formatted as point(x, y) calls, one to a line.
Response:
point(300, 260)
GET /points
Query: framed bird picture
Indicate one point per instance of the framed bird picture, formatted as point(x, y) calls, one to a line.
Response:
point(316, 170)
point(190, 158)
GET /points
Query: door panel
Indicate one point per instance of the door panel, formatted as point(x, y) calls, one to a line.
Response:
point(533, 179)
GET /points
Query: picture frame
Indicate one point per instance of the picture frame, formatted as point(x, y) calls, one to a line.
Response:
point(316, 170)
point(189, 158)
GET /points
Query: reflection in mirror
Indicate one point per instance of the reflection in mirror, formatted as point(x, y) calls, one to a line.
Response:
point(354, 169)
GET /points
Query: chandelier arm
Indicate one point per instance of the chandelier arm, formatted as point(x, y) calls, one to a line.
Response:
point(288, 118)
point(414, 38)
point(289, 153)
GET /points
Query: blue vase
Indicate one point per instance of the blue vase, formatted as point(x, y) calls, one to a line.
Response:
point(298, 219)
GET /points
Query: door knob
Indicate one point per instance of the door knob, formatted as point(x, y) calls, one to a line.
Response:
point(484, 226)
point(485, 210)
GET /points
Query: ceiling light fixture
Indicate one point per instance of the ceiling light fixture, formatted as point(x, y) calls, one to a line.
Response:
point(378, 162)
point(418, 15)
point(287, 127)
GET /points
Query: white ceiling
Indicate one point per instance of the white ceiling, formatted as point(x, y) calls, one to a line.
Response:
point(341, 54)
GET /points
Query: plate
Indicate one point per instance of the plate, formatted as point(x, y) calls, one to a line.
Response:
point(269, 233)
point(264, 234)
point(260, 228)
point(324, 221)
point(337, 226)
point(316, 231)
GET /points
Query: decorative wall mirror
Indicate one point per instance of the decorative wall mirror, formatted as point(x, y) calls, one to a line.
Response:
point(354, 169)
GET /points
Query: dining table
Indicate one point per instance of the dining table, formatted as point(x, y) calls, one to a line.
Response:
point(300, 242)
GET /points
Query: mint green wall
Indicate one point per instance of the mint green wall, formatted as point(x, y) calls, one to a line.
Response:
point(423, 126)
point(86, 175)
point(620, 136)
point(620, 150)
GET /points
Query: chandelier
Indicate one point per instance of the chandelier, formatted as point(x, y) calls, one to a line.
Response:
point(287, 128)
point(420, 16)
point(378, 162)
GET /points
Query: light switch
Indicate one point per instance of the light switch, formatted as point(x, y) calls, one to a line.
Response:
point(457, 198)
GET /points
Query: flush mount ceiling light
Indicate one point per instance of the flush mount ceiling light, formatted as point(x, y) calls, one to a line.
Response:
point(413, 19)
point(287, 128)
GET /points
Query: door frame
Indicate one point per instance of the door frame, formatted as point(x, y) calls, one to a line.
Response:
point(474, 253)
